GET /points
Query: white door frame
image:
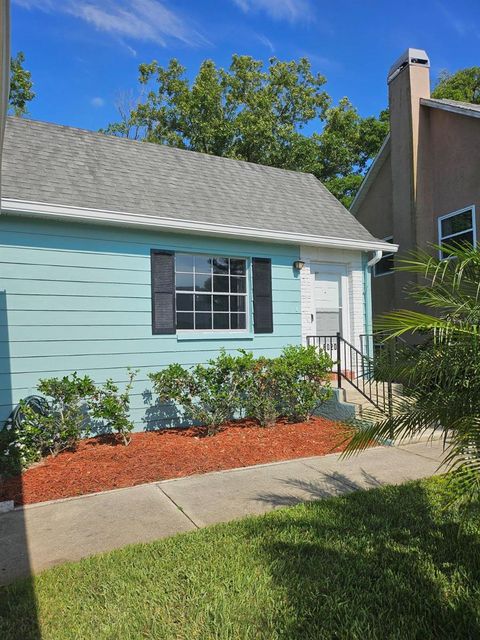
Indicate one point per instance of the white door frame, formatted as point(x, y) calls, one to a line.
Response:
point(342, 271)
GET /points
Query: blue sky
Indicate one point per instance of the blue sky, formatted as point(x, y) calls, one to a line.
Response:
point(84, 54)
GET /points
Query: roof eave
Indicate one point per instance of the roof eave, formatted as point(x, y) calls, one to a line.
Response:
point(459, 109)
point(100, 216)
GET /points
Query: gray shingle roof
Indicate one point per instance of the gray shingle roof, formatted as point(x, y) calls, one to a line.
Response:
point(62, 165)
point(463, 108)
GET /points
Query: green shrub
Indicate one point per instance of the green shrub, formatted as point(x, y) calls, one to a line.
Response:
point(207, 394)
point(292, 385)
point(19, 448)
point(60, 426)
point(259, 398)
point(112, 407)
point(58, 420)
point(301, 381)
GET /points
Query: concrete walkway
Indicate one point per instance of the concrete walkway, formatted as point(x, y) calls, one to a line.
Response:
point(39, 536)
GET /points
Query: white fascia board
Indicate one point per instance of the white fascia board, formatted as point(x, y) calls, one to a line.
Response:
point(100, 216)
point(460, 109)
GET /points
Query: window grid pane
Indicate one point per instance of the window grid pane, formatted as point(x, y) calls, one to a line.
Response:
point(456, 224)
point(217, 291)
point(459, 240)
point(385, 265)
point(457, 230)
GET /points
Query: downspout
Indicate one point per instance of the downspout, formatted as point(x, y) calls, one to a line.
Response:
point(367, 295)
point(376, 258)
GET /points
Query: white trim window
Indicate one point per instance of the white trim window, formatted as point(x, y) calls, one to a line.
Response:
point(386, 264)
point(211, 293)
point(457, 228)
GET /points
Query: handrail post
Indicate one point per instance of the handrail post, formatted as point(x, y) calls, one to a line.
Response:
point(339, 362)
point(392, 359)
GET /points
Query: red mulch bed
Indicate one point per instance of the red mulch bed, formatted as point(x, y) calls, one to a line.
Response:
point(99, 464)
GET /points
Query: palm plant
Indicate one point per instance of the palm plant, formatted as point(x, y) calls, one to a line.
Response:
point(441, 376)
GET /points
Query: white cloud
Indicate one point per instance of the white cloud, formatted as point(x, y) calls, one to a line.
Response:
point(97, 102)
point(322, 63)
point(291, 10)
point(461, 27)
point(149, 20)
point(266, 42)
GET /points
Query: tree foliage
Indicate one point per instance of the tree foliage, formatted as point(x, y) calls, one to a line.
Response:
point(256, 113)
point(464, 85)
point(441, 377)
point(20, 86)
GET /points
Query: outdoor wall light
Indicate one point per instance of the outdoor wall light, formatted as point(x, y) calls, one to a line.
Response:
point(298, 264)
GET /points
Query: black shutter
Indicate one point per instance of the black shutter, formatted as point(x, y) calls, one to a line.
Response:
point(262, 295)
point(163, 291)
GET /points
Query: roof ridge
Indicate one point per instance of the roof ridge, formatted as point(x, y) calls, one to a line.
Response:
point(100, 134)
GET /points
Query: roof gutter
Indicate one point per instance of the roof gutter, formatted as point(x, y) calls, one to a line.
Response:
point(100, 216)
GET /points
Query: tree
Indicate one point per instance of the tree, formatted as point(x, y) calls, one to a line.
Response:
point(441, 377)
point(464, 85)
point(256, 114)
point(20, 86)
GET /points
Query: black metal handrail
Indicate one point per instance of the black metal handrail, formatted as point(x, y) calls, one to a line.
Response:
point(356, 368)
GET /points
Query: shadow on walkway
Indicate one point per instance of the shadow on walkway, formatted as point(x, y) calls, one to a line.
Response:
point(331, 484)
point(14, 552)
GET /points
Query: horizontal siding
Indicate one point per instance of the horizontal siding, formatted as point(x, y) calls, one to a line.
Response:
point(26, 381)
point(77, 298)
point(51, 334)
point(86, 274)
point(25, 353)
point(44, 301)
point(64, 318)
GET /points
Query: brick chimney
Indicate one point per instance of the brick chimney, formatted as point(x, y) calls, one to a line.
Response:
point(408, 81)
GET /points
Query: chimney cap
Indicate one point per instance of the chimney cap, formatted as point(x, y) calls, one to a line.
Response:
point(410, 57)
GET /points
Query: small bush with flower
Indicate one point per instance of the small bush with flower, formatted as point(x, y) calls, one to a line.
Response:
point(56, 420)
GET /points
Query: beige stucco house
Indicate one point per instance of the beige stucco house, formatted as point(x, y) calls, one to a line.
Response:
point(424, 186)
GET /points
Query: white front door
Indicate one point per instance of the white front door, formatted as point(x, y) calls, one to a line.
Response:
point(330, 300)
point(328, 304)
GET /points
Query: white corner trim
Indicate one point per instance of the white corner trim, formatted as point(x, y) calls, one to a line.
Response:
point(48, 210)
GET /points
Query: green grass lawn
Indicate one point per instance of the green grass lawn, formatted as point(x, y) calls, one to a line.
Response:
point(387, 563)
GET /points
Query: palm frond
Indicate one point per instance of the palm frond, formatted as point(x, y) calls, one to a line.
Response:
point(441, 376)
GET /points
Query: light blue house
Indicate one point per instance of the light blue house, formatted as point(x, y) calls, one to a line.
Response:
point(116, 254)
